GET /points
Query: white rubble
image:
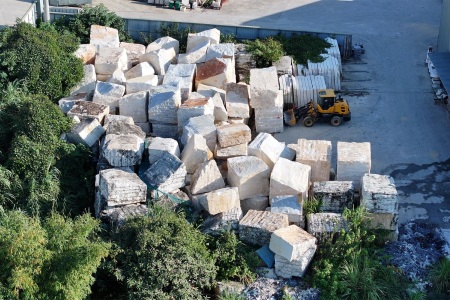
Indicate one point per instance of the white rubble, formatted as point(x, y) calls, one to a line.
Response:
point(123, 150)
point(135, 106)
point(195, 153)
point(141, 69)
point(157, 146)
point(353, 161)
point(233, 134)
point(256, 227)
point(317, 155)
point(289, 178)
point(237, 100)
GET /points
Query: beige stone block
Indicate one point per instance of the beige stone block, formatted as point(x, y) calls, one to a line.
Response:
point(118, 77)
point(165, 42)
point(107, 93)
point(101, 36)
point(123, 150)
point(206, 178)
point(195, 153)
point(160, 59)
point(108, 60)
point(317, 155)
point(210, 35)
point(134, 51)
point(267, 148)
point(289, 178)
point(291, 242)
point(269, 120)
point(194, 108)
point(86, 132)
point(379, 194)
point(86, 52)
point(256, 227)
point(220, 200)
point(135, 106)
point(195, 55)
point(232, 151)
point(143, 83)
point(237, 100)
point(353, 161)
point(250, 174)
point(157, 146)
point(233, 134)
point(141, 69)
point(203, 125)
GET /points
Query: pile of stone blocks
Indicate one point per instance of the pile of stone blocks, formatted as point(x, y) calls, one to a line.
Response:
point(267, 100)
point(353, 161)
point(290, 178)
point(181, 75)
point(317, 155)
point(334, 196)
point(203, 125)
point(107, 93)
point(379, 198)
point(294, 249)
point(324, 226)
point(257, 227)
point(216, 72)
point(267, 148)
point(237, 97)
point(158, 146)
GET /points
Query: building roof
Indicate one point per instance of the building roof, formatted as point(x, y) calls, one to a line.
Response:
point(441, 62)
point(10, 10)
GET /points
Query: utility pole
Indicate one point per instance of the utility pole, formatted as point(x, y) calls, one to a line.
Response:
point(46, 11)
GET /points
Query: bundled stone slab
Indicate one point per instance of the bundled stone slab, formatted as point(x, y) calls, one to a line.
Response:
point(194, 39)
point(143, 83)
point(269, 119)
point(164, 102)
point(157, 146)
point(134, 51)
point(257, 226)
point(291, 205)
point(194, 108)
point(86, 132)
point(233, 134)
point(141, 69)
point(102, 36)
point(88, 110)
point(256, 203)
point(195, 55)
point(267, 148)
point(220, 200)
point(237, 100)
point(224, 221)
point(264, 88)
point(123, 150)
point(217, 72)
point(86, 52)
point(232, 151)
point(87, 83)
point(108, 60)
point(289, 178)
point(122, 128)
point(203, 125)
point(195, 153)
point(117, 216)
point(206, 178)
point(167, 174)
point(181, 75)
point(118, 77)
point(224, 50)
point(291, 242)
point(108, 94)
point(353, 161)
point(324, 225)
point(317, 155)
point(335, 196)
point(135, 106)
point(160, 59)
point(250, 174)
point(120, 187)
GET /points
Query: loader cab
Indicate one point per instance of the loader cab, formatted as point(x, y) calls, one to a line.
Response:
point(326, 100)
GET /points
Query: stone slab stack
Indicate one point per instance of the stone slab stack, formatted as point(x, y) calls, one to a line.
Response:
point(353, 161)
point(123, 150)
point(317, 155)
point(107, 93)
point(181, 75)
point(158, 146)
point(294, 249)
point(323, 226)
point(167, 174)
point(308, 89)
point(335, 196)
point(288, 84)
point(206, 178)
point(195, 153)
point(289, 178)
point(267, 148)
point(135, 106)
point(291, 205)
point(237, 96)
point(257, 226)
point(267, 100)
point(217, 72)
point(203, 125)
point(194, 108)
point(329, 68)
point(379, 198)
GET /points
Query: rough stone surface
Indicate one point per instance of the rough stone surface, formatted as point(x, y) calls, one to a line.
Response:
point(86, 52)
point(220, 112)
point(135, 106)
point(87, 83)
point(164, 102)
point(120, 187)
point(66, 104)
point(210, 91)
point(267, 148)
point(217, 72)
point(284, 66)
point(220, 200)
point(291, 242)
point(224, 50)
point(225, 221)
point(121, 128)
point(195, 55)
point(287, 269)
point(334, 195)
point(237, 100)
point(117, 118)
point(194, 108)
point(116, 217)
point(353, 161)
point(194, 39)
point(264, 88)
point(118, 77)
point(250, 175)
point(269, 120)
point(259, 203)
point(244, 62)
point(145, 126)
point(317, 155)
point(104, 36)
point(165, 42)
point(157, 146)
point(165, 130)
point(107, 93)
point(383, 221)
point(141, 69)
point(167, 174)
point(257, 226)
point(233, 134)
point(195, 153)
point(379, 194)
point(159, 59)
point(123, 150)
point(109, 59)
point(324, 225)
point(289, 178)
point(232, 151)
point(89, 110)
point(291, 205)
point(181, 75)
point(143, 83)
point(203, 125)
point(86, 132)
point(134, 51)
point(206, 178)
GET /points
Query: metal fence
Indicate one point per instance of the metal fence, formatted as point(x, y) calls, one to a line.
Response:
point(63, 12)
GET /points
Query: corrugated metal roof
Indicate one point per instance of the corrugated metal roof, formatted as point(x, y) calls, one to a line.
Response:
point(441, 62)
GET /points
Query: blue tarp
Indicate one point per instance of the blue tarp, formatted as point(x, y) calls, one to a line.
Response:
point(441, 62)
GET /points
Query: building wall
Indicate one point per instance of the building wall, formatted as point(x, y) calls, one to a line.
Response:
point(444, 31)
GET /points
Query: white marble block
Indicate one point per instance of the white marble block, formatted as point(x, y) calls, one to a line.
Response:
point(157, 146)
point(141, 69)
point(107, 60)
point(317, 155)
point(195, 153)
point(101, 36)
point(108, 94)
point(237, 100)
point(220, 200)
point(135, 106)
point(143, 83)
point(291, 242)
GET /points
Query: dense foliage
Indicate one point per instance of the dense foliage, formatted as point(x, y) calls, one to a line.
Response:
point(175, 31)
point(52, 259)
point(440, 278)
point(41, 57)
point(265, 51)
point(303, 47)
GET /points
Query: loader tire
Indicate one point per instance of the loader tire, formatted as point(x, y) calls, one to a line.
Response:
point(308, 121)
point(336, 121)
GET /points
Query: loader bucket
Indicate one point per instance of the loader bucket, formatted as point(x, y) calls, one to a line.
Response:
point(289, 117)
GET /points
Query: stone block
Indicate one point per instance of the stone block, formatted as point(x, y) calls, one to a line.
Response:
point(210, 91)
point(86, 52)
point(225, 50)
point(195, 153)
point(203, 125)
point(160, 59)
point(220, 112)
point(264, 89)
point(141, 69)
point(117, 118)
point(123, 150)
point(194, 39)
point(135, 106)
point(122, 128)
point(317, 155)
point(89, 110)
point(284, 66)
point(269, 120)
point(103, 77)
point(259, 203)
point(291, 205)
point(118, 77)
point(108, 60)
point(121, 187)
point(145, 126)
point(206, 178)
point(107, 93)
point(217, 72)
point(143, 83)
point(267, 148)
point(167, 174)
point(225, 221)
point(164, 102)
point(353, 161)
point(232, 151)
point(157, 146)
point(165, 130)
point(87, 83)
point(134, 51)
point(117, 216)
point(194, 108)
point(233, 134)
point(324, 225)
point(379, 194)
point(287, 269)
point(181, 75)
point(291, 242)
point(256, 227)
point(66, 103)
point(335, 196)
point(250, 174)
point(102, 36)
point(220, 200)
point(165, 42)
point(237, 100)
point(195, 55)
point(385, 221)
point(267, 256)
point(289, 178)
point(86, 132)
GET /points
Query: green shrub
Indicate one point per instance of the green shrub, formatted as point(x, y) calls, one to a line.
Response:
point(265, 51)
point(228, 38)
point(312, 205)
point(226, 295)
point(303, 47)
point(440, 276)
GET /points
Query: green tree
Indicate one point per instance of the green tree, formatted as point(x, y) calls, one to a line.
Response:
point(265, 51)
point(41, 57)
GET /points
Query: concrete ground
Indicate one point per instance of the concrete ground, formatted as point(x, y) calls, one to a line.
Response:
point(12, 9)
point(392, 103)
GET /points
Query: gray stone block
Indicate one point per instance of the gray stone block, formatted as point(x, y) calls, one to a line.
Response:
point(88, 110)
point(334, 195)
point(107, 93)
point(257, 226)
point(291, 205)
point(166, 174)
point(135, 106)
point(324, 225)
point(157, 146)
point(123, 150)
